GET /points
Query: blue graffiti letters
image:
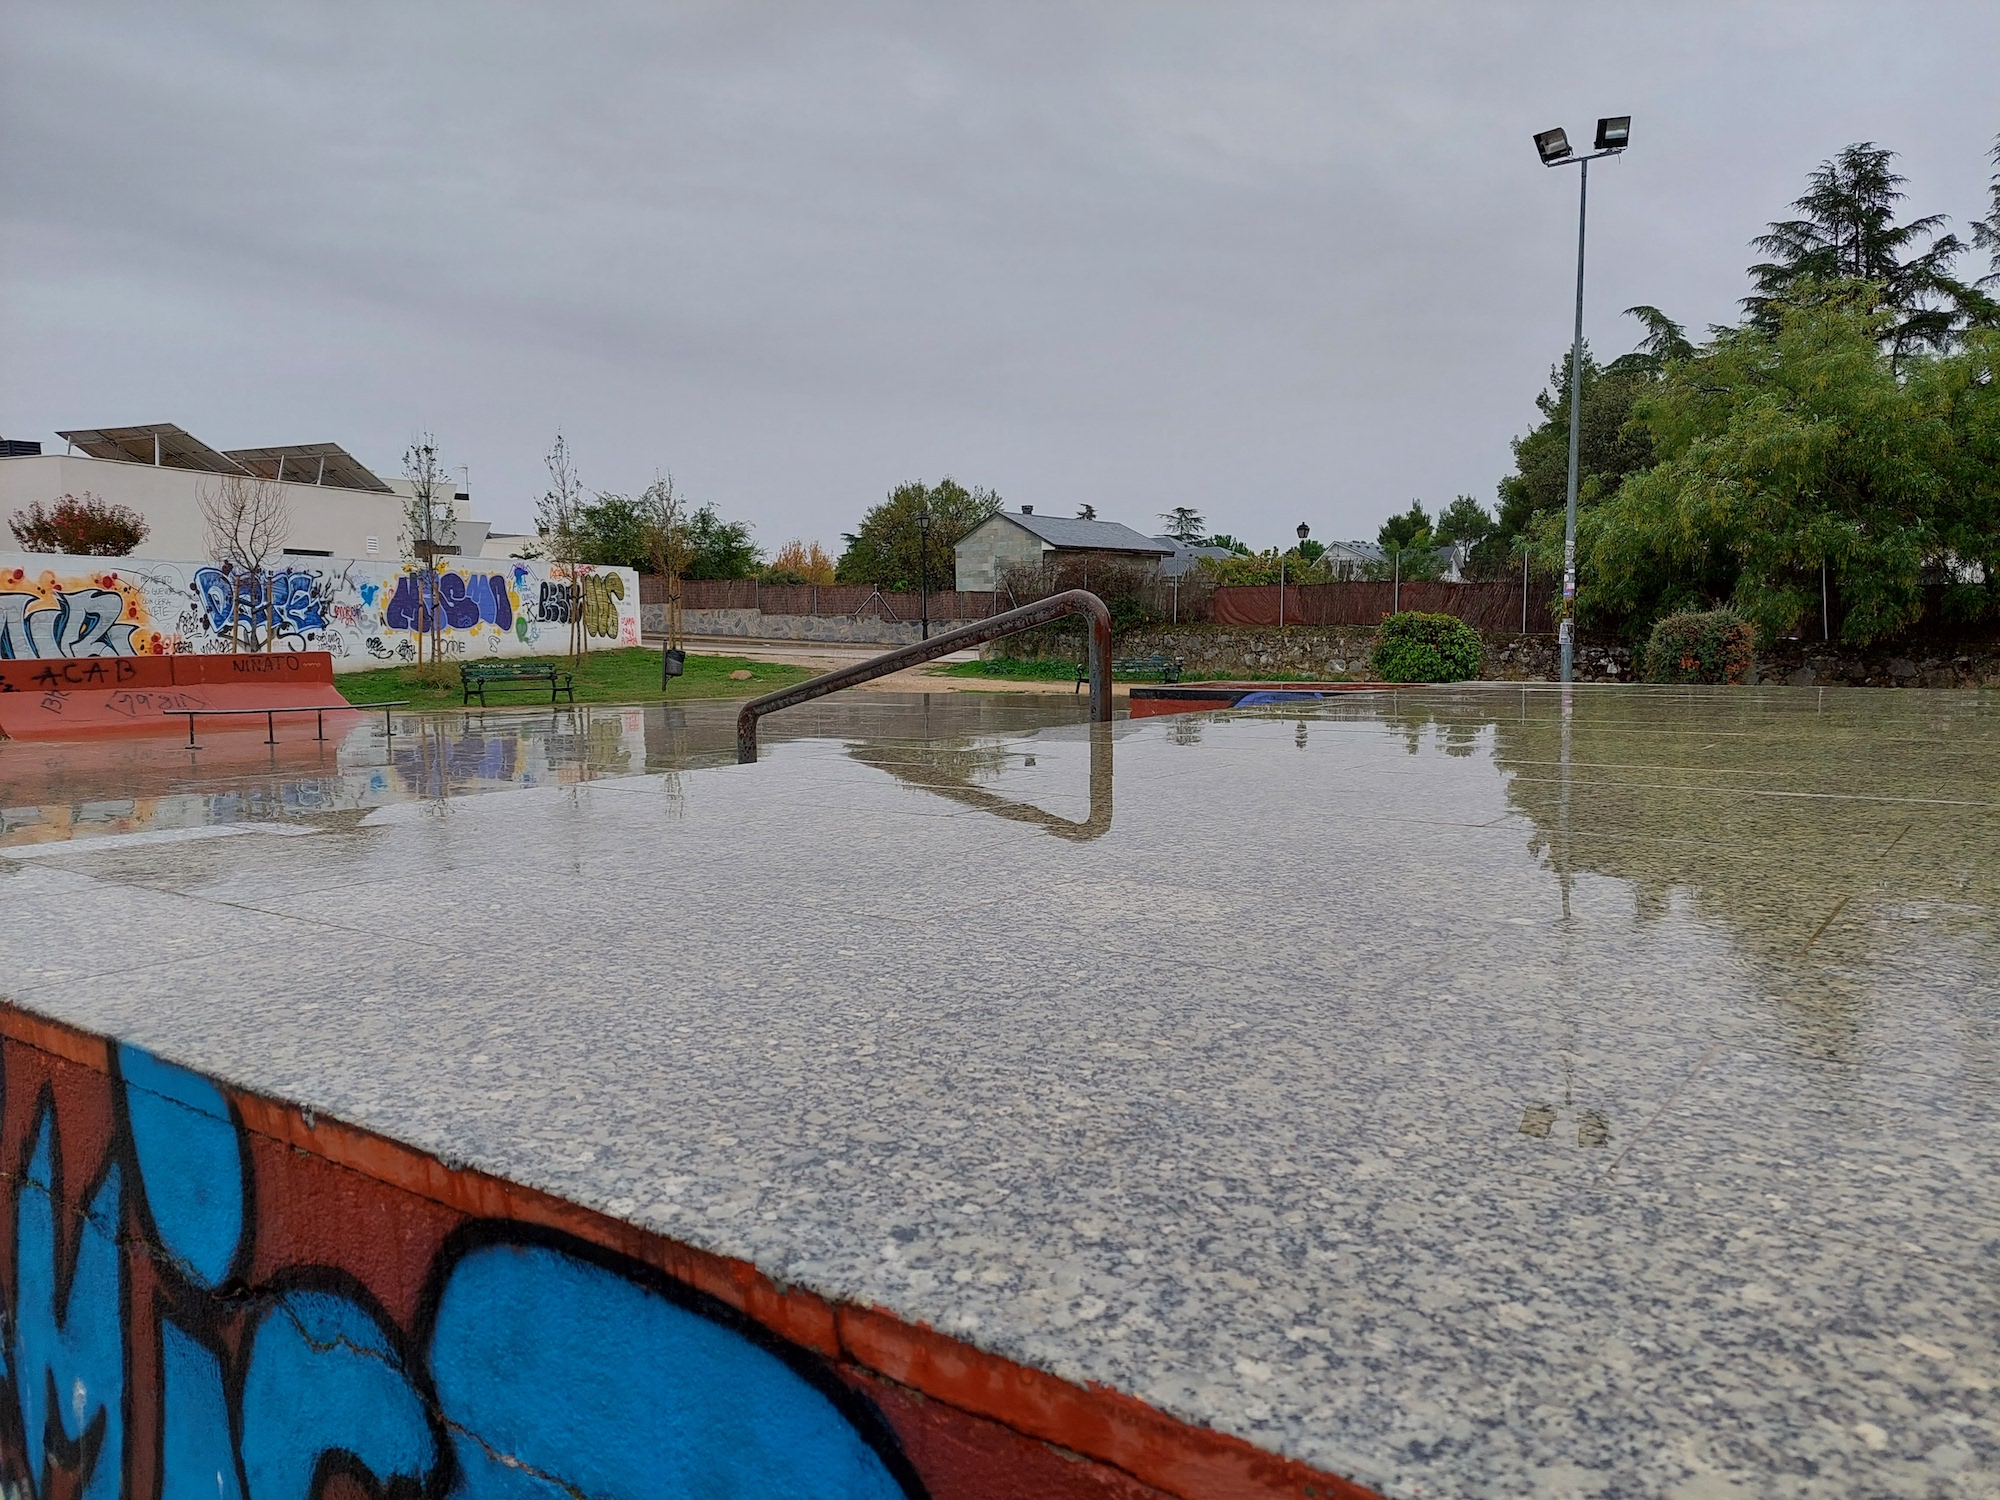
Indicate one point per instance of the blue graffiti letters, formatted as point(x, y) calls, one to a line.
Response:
point(325, 1381)
point(188, 1162)
point(82, 622)
point(547, 1364)
point(196, 1459)
point(68, 1345)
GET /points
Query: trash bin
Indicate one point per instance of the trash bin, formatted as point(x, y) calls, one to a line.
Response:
point(672, 663)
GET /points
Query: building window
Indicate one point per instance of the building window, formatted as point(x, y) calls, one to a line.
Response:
point(307, 552)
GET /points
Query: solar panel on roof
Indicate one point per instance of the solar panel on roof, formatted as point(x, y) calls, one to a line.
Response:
point(161, 444)
point(310, 463)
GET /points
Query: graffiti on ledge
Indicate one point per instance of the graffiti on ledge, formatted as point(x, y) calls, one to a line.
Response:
point(362, 612)
point(196, 1311)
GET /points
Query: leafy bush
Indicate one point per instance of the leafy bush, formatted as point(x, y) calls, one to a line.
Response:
point(80, 525)
point(1712, 645)
point(1416, 647)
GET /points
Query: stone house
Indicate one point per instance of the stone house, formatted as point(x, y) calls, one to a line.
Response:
point(1022, 539)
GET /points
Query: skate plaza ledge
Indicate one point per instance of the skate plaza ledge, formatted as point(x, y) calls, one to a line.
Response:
point(795, 1129)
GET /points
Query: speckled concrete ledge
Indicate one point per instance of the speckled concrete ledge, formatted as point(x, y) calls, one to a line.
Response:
point(1441, 1091)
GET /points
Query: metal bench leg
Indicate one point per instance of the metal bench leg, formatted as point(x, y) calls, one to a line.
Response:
point(322, 724)
point(191, 731)
point(270, 729)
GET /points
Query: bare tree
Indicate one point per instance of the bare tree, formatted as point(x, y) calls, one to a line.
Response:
point(560, 520)
point(246, 520)
point(428, 531)
point(669, 544)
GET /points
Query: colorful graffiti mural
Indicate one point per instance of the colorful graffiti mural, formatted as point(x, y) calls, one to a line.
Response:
point(84, 614)
point(212, 1296)
point(363, 613)
point(142, 1362)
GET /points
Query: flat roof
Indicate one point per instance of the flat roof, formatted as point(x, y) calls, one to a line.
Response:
point(1471, 1092)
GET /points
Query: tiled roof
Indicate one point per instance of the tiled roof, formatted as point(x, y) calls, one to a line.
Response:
point(1072, 534)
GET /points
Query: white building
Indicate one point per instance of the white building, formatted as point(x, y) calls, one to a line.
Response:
point(336, 507)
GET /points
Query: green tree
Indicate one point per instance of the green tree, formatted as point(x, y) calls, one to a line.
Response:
point(613, 532)
point(1186, 526)
point(1464, 520)
point(1228, 543)
point(883, 550)
point(719, 548)
point(1846, 234)
point(1609, 447)
point(1986, 231)
point(1785, 452)
point(1411, 528)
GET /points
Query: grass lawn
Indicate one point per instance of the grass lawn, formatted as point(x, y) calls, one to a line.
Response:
point(631, 675)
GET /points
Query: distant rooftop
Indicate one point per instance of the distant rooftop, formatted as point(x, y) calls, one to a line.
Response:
point(164, 445)
point(1074, 534)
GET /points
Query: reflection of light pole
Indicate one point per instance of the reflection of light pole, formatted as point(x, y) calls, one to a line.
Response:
point(923, 563)
point(1613, 135)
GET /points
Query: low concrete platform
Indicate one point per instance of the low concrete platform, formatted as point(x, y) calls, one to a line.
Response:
point(1460, 1092)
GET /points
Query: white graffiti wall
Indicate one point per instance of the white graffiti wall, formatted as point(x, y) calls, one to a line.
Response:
point(367, 613)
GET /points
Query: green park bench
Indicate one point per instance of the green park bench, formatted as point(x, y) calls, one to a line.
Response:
point(476, 677)
point(1166, 668)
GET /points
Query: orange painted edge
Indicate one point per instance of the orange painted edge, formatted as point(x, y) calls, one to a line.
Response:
point(1097, 1422)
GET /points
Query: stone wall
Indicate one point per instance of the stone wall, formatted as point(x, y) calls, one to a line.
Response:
point(1338, 652)
point(754, 624)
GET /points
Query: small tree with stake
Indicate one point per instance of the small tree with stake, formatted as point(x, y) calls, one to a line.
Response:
point(669, 545)
point(559, 516)
point(426, 528)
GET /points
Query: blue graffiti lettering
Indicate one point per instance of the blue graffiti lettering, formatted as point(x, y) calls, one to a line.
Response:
point(324, 1379)
point(69, 1366)
point(196, 1458)
point(82, 622)
point(188, 1163)
point(550, 1365)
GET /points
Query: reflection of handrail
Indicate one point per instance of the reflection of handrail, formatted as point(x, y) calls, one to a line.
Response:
point(933, 779)
point(1069, 602)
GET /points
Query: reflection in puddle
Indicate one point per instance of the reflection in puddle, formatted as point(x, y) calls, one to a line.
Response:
point(52, 792)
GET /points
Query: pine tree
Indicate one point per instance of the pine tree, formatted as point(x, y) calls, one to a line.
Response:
point(1986, 231)
point(1847, 231)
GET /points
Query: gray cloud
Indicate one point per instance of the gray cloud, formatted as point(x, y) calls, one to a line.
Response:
point(1276, 262)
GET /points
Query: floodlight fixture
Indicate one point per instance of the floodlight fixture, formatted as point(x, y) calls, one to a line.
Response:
point(1614, 134)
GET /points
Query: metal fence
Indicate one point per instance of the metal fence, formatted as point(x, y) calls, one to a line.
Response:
point(1499, 606)
point(824, 599)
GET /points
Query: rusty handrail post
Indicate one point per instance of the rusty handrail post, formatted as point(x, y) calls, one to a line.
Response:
point(1055, 607)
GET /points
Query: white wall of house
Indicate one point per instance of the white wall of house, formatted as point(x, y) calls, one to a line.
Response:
point(324, 519)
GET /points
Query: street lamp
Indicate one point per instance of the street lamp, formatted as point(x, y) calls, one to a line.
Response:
point(923, 563)
point(1304, 532)
point(1614, 133)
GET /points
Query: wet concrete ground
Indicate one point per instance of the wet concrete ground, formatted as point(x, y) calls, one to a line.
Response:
point(1455, 1090)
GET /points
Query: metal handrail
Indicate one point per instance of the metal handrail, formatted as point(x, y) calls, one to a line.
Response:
point(1027, 617)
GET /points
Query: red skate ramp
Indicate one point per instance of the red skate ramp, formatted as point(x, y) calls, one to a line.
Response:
point(65, 698)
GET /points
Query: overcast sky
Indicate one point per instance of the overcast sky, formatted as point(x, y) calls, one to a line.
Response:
point(1276, 262)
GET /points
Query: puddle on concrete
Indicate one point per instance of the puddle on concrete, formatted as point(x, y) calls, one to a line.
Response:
point(119, 787)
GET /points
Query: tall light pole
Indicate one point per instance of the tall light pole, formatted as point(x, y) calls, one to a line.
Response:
point(924, 563)
point(1613, 134)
